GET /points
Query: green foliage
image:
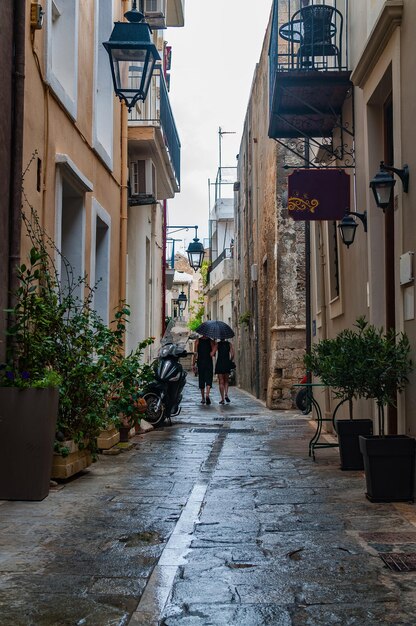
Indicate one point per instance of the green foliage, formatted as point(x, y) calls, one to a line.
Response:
point(205, 272)
point(197, 311)
point(245, 318)
point(56, 338)
point(364, 362)
point(340, 363)
point(387, 361)
point(34, 321)
point(128, 377)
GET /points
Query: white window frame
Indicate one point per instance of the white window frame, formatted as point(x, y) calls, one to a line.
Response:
point(105, 152)
point(67, 170)
point(98, 211)
point(69, 100)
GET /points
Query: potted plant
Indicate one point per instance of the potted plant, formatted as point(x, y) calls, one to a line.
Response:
point(389, 460)
point(340, 364)
point(130, 376)
point(29, 385)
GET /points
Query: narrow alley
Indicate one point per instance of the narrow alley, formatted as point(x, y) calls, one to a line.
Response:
point(219, 519)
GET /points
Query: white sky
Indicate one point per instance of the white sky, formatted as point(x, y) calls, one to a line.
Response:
point(213, 61)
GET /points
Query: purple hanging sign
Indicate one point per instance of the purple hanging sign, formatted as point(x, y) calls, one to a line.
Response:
point(318, 194)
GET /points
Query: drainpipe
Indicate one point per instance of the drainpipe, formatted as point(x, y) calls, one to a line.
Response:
point(16, 155)
point(123, 200)
point(164, 220)
point(123, 192)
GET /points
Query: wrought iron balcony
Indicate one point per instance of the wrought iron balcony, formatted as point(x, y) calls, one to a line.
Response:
point(309, 75)
point(156, 112)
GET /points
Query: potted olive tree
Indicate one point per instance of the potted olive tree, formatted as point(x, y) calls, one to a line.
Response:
point(340, 364)
point(389, 460)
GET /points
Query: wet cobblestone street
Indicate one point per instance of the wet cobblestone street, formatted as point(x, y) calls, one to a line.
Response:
point(220, 519)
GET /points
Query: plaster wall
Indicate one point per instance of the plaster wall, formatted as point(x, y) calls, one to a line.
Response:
point(144, 275)
point(50, 129)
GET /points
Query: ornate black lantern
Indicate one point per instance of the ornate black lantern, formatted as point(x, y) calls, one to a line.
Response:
point(383, 183)
point(348, 226)
point(182, 302)
point(132, 57)
point(195, 254)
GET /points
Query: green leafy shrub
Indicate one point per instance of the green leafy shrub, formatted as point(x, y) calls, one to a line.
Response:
point(363, 362)
point(55, 337)
point(197, 312)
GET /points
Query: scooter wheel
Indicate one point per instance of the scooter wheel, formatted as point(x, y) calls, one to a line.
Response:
point(155, 412)
point(303, 402)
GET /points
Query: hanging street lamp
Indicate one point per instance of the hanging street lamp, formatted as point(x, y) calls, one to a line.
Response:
point(182, 302)
point(132, 57)
point(196, 253)
point(195, 250)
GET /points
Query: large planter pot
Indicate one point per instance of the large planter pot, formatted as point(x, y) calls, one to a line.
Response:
point(27, 433)
point(349, 445)
point(389, 464)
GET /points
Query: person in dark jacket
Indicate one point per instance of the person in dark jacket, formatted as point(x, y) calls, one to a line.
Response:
point(225, 355)
point(203, 353)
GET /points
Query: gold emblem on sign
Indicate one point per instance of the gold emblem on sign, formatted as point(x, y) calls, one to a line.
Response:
point(304, 203)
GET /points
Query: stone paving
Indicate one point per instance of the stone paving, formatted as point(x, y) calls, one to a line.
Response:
point(219, 519)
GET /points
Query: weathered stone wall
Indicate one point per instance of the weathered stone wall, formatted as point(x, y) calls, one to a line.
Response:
point(269, 289)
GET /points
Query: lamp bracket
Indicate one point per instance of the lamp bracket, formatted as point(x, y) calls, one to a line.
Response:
point(402, 173)
point(178, 228)
point(361, 216)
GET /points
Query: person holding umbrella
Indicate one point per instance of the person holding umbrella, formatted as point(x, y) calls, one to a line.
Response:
point(204, 351)
point(216, 329)
point(225, 355)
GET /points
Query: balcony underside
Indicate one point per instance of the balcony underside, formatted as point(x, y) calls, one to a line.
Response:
point(307, 103)
point(146, 142)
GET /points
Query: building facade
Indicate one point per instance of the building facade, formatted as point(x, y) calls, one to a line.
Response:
point(154, 177)
point(269, 253)
point(363, 68)
point(219, 289)
point(95, 178)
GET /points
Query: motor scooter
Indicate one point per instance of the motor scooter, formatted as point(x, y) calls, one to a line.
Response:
point(164, 394)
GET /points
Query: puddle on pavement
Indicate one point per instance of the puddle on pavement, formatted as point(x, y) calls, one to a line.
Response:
point(149, 537)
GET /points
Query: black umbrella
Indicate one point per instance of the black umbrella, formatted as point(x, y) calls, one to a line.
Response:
point(215, 329)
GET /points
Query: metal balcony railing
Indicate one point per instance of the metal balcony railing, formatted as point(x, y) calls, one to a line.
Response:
point(309, 35)
point(156, 111)
point(227, 253)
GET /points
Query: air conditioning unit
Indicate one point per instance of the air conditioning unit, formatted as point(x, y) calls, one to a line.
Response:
point(142, 182)
point(155, 13)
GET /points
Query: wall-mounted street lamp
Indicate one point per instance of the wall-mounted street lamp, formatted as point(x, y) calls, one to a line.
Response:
point(383, 183)
point(348, 226)
point(195, 250)
point(132, 57)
